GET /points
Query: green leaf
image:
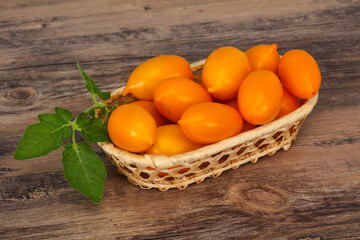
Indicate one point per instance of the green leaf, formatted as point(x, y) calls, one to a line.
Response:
point(90, 85)
point(92, 130)
point(64, 114)
point(41, 138)
point(61, 117)
point(92, 112)
point(82, 121)
point(103, 95)
point(84, 170)
point(95, 131)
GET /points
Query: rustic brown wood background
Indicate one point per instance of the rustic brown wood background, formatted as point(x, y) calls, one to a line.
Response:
point(311, 191)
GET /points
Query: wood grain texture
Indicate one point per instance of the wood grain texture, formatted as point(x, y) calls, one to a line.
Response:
point(312, 191)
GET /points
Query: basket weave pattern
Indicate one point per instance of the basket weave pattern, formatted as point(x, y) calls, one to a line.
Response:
point(178, 171)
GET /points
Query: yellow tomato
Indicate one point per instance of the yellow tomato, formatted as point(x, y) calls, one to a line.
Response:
point(150, 107)
point(210, 122)
point(260, 97)
point(150, 73)
point(132, 128)
point(174, 95)
point(264, 57)
point(170, 141)
point(224, 71)
point(234, 104)
point(289, 103)
point(300, 73)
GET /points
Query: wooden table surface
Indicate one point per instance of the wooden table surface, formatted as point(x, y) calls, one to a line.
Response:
point(311, 191)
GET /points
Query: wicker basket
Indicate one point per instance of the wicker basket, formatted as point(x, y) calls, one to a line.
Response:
point(178, 171)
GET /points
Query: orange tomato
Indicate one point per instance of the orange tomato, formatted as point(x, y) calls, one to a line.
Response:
point(263, 57)
point(260, 97)
point(132, 128)
point(300, 73)
point(246, 126)
point(289, 103)
point(210, 122)
point(171, 140)
point(224, 71)
point(150, 107)
point(150, 73)
point(174, 95)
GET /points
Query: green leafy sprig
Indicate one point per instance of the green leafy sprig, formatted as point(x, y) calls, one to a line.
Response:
point(83, 168)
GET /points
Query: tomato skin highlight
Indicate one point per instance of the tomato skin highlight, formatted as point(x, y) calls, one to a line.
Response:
point(174, 95)
point(210, 122)
point(171, 140)
point(150, 107)
point(132, 128)
point(289, 103)
point(264, 57)
point(150, 73)
point(223, 72)
point(300, 73)
point(260, 97)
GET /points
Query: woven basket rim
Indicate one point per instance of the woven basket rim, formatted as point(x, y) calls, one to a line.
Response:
point(160, 161)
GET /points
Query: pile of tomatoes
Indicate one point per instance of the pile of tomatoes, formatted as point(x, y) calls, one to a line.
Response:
point(238, 91)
